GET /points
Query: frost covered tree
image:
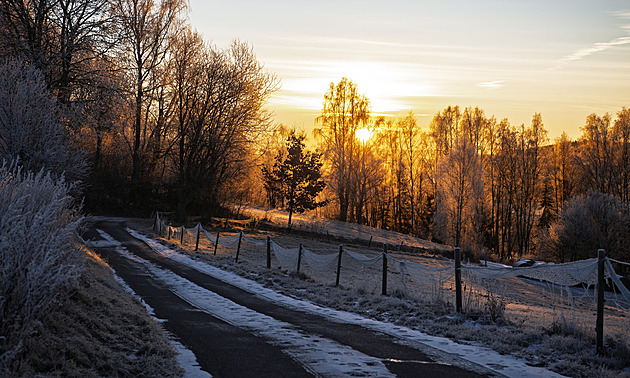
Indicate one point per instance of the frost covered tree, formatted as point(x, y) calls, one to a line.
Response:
point(30, 131)
point(459, 189)
point(587, 223)
point(39, 257)
point(344, 112)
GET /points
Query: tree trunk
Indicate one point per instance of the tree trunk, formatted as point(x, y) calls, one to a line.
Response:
point(135, 174)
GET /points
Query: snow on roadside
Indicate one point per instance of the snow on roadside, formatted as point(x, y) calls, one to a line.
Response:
point(318, 354)
point(185, 357)
point(505, 365)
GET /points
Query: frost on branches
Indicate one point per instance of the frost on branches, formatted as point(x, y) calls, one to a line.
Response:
point(30, 127)
point(39, 255)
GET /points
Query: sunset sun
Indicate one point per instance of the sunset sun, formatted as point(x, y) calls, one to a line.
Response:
point(363, 134)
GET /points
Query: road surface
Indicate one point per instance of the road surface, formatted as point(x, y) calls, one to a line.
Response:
point(229, 347)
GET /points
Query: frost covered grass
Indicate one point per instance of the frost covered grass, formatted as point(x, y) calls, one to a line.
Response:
point(40, 258)
point(62, 314)
point(526, 321)
point(99, 330)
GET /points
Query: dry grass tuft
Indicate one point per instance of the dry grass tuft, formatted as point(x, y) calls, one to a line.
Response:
point(100, 330)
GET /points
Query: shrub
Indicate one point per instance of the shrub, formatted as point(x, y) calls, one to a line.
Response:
point(39, 257)
point(30, 127)
point(587, 223)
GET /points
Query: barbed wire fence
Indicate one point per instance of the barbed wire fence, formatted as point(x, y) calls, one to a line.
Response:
point(577, 287)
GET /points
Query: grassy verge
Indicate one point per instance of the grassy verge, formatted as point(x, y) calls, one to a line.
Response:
point(99, 330)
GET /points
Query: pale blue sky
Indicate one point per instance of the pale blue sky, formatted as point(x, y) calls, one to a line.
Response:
point(564, 59)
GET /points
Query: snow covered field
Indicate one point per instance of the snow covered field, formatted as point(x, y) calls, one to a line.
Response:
point(348, 231)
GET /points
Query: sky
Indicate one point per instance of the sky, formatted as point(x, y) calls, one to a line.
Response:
point(564, 59)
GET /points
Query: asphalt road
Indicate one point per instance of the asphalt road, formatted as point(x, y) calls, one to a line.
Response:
point(225, 350)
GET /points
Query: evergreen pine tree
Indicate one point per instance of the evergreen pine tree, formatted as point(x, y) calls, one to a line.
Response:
point(295, 178)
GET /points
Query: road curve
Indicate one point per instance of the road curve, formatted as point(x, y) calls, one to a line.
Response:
point(226, 350)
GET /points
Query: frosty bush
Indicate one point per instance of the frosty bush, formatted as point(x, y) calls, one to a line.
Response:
point(39, 257)
point(30, 129)
point(587, 223)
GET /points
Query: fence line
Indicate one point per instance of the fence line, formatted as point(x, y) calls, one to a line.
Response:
point(564, 275)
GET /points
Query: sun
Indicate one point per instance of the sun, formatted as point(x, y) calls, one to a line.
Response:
point(363, 134)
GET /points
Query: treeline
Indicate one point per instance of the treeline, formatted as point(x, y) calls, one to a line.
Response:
point(149, 113)
point(477, 182)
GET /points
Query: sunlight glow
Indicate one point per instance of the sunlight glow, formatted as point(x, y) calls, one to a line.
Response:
point(389, 86)
point(363, 134)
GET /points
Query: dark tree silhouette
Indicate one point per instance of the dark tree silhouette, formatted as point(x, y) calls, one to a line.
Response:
point(296, 178)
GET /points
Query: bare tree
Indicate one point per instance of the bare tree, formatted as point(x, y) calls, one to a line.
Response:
point(459, 186)
point(621, 135)
point(410, 136)
point(145, 28)
point(344, 112)
point(595, 155)
point(61, 38)
point(529, 185)
point(563, 172)
point(220, 114)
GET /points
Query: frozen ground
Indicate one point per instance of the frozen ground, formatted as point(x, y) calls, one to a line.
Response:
point(323, 356)
point(348, 231)
point(539, 323)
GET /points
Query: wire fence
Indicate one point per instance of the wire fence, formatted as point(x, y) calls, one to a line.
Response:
point(485, 290)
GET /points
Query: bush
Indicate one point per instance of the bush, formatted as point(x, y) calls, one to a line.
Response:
point(30, 127)
point(39, 256)
point(587, 223)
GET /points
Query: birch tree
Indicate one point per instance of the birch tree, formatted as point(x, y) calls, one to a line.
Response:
point(344, 112)
point(459, 186)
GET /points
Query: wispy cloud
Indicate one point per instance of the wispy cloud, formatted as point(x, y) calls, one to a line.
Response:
point(600, 46)
point(492, 84)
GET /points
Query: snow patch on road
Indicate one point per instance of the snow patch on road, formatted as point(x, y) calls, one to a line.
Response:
point(185, 357)
point(318, 354)
point(505, 365)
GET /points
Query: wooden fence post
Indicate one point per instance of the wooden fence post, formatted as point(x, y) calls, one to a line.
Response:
point(198, 232)
point(370, 242)
point(299, 258)
point(169, 232)
point(181, 239)
point(384, 286)
point(268, 252)
point(458, 279)
point(400, 246)
point(216, 243)
point(155, 222)
point(339, 265)
point(238, 246)
point(599, 324)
